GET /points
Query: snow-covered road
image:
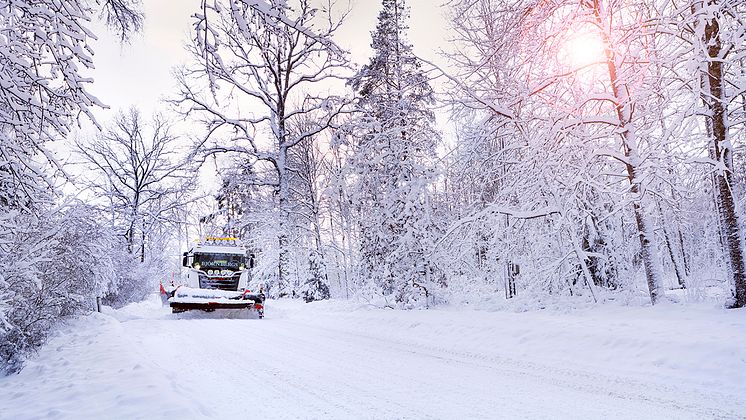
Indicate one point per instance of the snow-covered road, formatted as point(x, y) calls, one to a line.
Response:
point(335, 360)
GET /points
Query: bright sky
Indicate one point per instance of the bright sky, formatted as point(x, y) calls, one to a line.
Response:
point(140, 73)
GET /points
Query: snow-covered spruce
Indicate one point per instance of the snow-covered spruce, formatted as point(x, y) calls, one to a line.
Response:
point(393, 163)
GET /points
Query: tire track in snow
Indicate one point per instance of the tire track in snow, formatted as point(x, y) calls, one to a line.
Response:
point(712, 406)
point(380, 367)
point(233, 383)
point(376, 405)
point(461, 388)
point(297, 355)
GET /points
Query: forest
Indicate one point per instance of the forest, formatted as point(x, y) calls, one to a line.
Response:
point(570, 152)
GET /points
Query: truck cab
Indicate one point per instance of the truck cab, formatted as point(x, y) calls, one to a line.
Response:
point(218, 272)
point(218, 264)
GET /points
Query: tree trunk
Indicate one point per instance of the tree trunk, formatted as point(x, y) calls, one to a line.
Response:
point(582, 258)
point(623, 107)
point(677, 268)
point(714, 99)
point(283, 261)
point(508, 267)
point(142, 245)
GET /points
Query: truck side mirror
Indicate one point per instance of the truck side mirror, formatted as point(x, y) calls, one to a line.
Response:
point(184, 260)
point(252, 263)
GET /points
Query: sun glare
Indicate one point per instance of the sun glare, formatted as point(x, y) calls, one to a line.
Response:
point(584, 49)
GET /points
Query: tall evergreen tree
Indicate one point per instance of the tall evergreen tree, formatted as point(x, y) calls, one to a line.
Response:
point(393, 162)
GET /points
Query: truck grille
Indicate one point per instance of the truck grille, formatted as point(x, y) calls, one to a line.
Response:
point(222, 283)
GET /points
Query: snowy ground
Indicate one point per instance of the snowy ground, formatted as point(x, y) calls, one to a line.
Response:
point(342, 360)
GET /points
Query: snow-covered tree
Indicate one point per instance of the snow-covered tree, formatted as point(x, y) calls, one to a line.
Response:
point(306, 165)
point(140, 173)
point(142, 184)
point(717, 32)
point(340, 225)
point(256, 68)
point(237, 199)
point(45, 48)
point(393, 163)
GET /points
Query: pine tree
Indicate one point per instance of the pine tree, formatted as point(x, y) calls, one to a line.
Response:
point(393, 162)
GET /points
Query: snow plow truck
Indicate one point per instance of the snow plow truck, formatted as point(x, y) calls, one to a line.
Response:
point(217, 277)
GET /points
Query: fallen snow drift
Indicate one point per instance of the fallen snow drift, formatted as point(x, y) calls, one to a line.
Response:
point(342, 360)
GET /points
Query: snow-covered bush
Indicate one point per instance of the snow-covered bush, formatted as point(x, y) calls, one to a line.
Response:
point(22, 251)
point(44, 48)
point(133, 279)
point(50, 267)
point(82, 265)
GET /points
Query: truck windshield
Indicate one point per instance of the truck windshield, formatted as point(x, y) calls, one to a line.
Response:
point(221, 261)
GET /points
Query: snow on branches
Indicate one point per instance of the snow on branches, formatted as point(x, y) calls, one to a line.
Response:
point(45, 48)
point(393, 164)
point(255, 68)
